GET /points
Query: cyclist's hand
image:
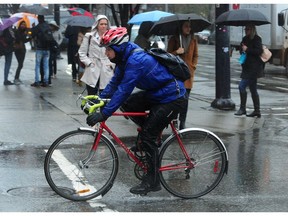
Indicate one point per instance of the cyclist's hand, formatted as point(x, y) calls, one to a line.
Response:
point(94, 118)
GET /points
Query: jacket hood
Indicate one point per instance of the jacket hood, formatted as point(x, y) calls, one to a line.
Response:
point(145, 28)
point(99, 17)
point(123, 52)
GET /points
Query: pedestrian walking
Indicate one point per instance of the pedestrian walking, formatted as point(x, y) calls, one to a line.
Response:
point(188, 51)
point(252, 68)
point(21, 37)
point(72, 34)
point(99, 69)
point(54, 51)
point(160, 93)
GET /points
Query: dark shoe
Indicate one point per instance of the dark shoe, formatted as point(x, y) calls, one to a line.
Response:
point(143, 188)
point(254, 113)
point(240, 112)
point(8, 83)
point(135, 149)
point(35, 84)
point(44, 85)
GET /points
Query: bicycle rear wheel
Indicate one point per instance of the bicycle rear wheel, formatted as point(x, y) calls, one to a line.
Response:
point(76, 172)
point(210, 161)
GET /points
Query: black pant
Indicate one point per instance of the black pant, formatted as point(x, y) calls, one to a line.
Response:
point(183, 113)
point(20, 56)
point(160, 115)
point(52, 64)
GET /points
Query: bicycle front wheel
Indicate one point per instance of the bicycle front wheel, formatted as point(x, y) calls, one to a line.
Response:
point(75, 171)
point(209, 158)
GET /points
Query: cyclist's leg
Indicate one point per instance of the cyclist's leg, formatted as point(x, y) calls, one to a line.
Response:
point(136, 103)
point(159, 117)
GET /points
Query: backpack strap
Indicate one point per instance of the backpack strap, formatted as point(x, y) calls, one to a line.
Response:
point(163, 84)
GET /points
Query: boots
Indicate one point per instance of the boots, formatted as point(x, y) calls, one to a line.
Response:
point(151, 181)
point(147, 185)
point(243, 99)
point(256, 103)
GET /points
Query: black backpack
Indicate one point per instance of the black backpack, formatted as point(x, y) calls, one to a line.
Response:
point(45, 34)
point(173, 63)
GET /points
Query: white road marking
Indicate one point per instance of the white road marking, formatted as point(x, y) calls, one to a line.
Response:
point(72, 172)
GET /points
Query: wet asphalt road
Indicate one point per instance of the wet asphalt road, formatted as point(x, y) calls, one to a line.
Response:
point(31, 119)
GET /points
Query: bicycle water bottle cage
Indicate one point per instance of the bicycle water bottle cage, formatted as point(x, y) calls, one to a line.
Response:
point(91, 103)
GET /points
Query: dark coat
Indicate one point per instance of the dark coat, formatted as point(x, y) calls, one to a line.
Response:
point(253, 67)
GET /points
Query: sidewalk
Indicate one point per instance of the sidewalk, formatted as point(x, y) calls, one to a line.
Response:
point(63, 95)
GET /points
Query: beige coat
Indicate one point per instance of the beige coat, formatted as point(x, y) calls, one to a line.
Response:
point(103, 69)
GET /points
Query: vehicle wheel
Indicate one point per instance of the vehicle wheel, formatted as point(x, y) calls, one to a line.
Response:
point(210, 161)
point(75, 171)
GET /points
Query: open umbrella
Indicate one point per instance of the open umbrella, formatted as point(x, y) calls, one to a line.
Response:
point(75, 11)
point(170, 25)
point(35, 9)
point(242, 17)
point(83, 21)
point(30, 19)
point(148, 16)
point(6, 23)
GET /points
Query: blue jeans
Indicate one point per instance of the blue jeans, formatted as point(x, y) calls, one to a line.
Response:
point(42, 54)
point(252, 83)
point(8, 61)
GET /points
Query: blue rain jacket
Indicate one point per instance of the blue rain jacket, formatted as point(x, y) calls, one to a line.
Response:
point(140, 70)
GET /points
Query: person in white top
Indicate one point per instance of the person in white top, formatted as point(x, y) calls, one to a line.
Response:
point(58, 36)
point(99, 70)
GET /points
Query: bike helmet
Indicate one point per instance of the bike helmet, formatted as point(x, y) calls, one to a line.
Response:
point(115, 36)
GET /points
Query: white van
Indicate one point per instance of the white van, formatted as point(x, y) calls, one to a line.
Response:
point(153, 38)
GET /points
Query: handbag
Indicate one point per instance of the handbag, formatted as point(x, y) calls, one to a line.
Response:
point(77, 57)
point(242, 58)
point(266, 54)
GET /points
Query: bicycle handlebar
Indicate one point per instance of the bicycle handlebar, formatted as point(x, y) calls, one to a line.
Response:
point(91, 103)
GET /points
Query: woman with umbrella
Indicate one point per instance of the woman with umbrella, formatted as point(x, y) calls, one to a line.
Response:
point(251, 69)
point(21, 37)
point(188, 51)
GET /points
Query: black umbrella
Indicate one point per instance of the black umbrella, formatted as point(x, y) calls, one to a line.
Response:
point(35, 9)
point(170, 25)
point(242, 17)
point(83, 21)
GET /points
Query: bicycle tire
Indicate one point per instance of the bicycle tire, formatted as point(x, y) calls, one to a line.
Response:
point(210, 159)
point(69, 177)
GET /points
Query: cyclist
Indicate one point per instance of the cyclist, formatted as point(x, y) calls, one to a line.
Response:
point(160, 93)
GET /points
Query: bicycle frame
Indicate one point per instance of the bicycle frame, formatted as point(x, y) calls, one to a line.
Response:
point(104, 127)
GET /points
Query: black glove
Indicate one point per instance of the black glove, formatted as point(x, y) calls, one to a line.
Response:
point(92, 119)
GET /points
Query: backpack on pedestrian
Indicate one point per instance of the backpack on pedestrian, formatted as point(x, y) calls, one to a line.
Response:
point(45, 33)
point(6, 42)
point(175, 65)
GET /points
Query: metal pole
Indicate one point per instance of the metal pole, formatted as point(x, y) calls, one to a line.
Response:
point(223, 96)
point(57, 14)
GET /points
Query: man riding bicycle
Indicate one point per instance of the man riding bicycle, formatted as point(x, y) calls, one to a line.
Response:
point(160, 93)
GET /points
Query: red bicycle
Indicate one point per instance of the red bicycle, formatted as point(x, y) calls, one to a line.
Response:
point(83, 164)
